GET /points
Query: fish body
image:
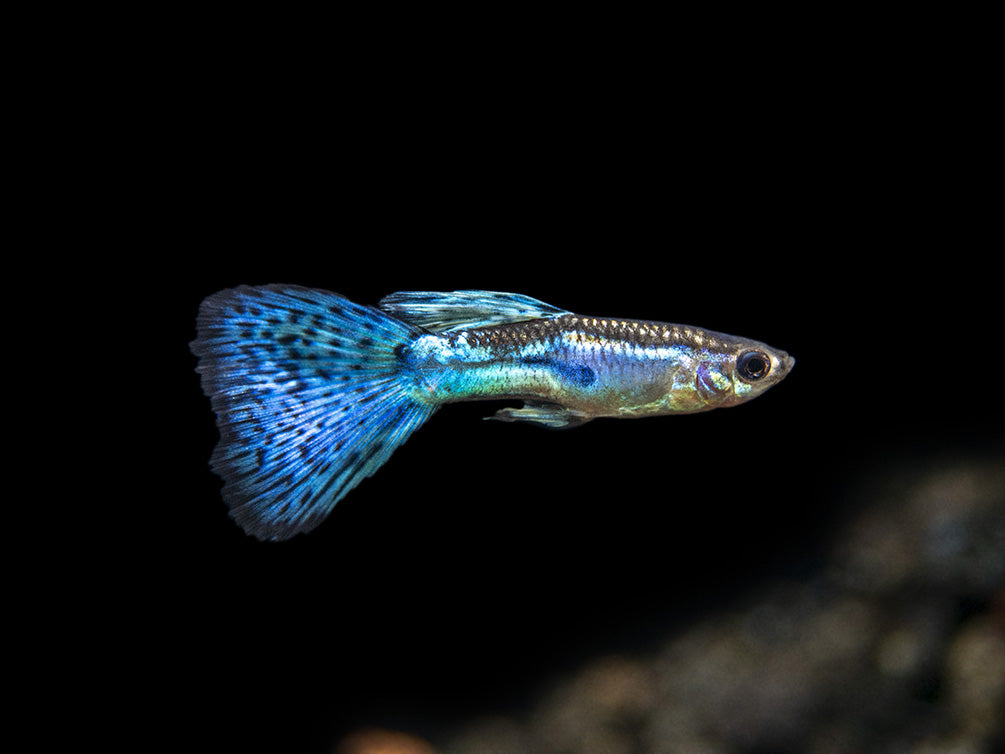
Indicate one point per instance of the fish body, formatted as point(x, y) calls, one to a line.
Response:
point(591, 367)
point(314, 392)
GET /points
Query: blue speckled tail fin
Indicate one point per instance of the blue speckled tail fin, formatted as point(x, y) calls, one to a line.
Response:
point(309, 396)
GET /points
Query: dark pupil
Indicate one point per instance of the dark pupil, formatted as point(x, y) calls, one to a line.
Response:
point(753, 365)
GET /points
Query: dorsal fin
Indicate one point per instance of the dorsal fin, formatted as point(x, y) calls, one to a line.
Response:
point(459, 310)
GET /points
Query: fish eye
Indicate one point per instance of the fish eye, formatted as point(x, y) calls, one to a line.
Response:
point(752, 365)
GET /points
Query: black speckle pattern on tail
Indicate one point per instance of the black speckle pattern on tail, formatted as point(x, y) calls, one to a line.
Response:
point(310, 399)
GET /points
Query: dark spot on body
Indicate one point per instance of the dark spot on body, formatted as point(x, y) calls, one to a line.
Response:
point(579, 375)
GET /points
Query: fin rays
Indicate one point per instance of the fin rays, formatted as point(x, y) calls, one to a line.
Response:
point(310, 399)
point(459, 310)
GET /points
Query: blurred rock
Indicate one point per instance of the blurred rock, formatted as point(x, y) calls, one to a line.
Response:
point(940, 529)
point(376, 741)
point(975, 677)
point(497, 735)
point(597, 710)
point(897, 645)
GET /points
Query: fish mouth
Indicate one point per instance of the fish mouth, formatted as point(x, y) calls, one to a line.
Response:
point(781, 365)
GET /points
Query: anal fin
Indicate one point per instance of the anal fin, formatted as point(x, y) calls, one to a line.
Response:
point(549, 415)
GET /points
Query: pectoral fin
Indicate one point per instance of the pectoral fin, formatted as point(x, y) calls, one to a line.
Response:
point(550, 415)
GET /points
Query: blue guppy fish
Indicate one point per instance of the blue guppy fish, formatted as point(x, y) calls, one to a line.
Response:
point(313, 392)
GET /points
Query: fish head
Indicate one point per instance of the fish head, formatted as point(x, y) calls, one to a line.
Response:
point(737, 370)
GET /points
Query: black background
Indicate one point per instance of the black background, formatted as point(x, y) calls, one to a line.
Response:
point(833, 212)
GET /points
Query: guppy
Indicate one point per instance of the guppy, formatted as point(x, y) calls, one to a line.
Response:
point(313, 392)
